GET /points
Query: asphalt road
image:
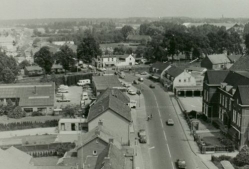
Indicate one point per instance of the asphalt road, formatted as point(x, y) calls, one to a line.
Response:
point(166, 143)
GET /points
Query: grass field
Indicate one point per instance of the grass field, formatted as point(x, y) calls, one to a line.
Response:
point(6, 120)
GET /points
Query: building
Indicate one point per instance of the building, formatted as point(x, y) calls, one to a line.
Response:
point(72, 124)
point(216, 62)
point(105, 61)
point(61, 43)
point(112, 112)
point(158, 70)
point(101, 83)
point(125, 60)
point(37, 70)
point(56, 68)
point(241, 64)
point(211, 83)
point(234, 58)
point(143, 39)
point(114, 92)
point(30, 97)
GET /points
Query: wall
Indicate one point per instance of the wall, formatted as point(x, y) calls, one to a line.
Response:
point(245, 127)
point(190, 80)
point(114, 123)
point(128, 60)
point(87, 150)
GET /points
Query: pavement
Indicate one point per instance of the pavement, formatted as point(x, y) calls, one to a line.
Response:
point(165, 144)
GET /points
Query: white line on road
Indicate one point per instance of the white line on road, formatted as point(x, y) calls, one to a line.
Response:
point(165, 136)
point(161, 123)
point(169, 150)
point(172, 164)
point(152, 147)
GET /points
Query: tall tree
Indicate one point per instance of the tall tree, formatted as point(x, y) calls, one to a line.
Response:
point(88, 49)
point(66, 57)
point(247, 43)
point(126, 30)
point(44, 59)
point(7, 76)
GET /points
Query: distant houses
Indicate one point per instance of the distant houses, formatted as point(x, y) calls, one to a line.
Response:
point(37, 70)
point(216, 62)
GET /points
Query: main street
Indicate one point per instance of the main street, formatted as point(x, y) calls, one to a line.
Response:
point(166, 143)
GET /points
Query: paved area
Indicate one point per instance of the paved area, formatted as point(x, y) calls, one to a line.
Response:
point(191, 103)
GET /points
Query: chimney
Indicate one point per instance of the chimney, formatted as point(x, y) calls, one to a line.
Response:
point(111, 140)
point(100, 123)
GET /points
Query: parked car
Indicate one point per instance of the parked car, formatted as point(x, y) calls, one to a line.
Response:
point(63, 87)
point(152, 86)
point(181, 164)
point(142, 136)
point(62, 90)
point(170, 122)
point(85, 96)
point(131, 92)
point(140, 79)
point(84, 82)
point(143, 73)
point(139, 92)
point(126, 85)
point(135, 82)
point(59, 94)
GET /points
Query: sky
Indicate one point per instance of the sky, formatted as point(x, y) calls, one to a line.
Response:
point(34, 9)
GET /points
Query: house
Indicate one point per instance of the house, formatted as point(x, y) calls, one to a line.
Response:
point(112, 112)
point(72, 124)
point(125, 60)
point(12, 158)
point(234, 58)
point(178, 80)
point(211, 83)
point(101, 83)
point(56, 68)
point(158, 69)
point(105, 61)
point(30, 97)
point(116, 93)
point(193, 69)
point(241, 64)
point(142, 39)
point(216, 62)
point(33, 71)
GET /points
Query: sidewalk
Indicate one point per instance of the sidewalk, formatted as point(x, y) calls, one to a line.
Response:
point(205, 158)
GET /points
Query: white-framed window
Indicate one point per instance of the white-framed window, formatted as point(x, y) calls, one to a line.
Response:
point(220, 113)
point(238, 119)
point(206, 95)
point(234, 116)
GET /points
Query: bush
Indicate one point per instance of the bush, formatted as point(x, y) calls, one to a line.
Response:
point(242, 159)
point(35, 113)
point(16, 113)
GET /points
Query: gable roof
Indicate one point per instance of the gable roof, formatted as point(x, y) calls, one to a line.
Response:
point(241, 64)
point(110, 102)
point(111, 158)
point(237, 78)
point(30, 94)
point(104, 82)
point(216, 76)
point(234, 58)
point(197, 69)
point(243, 94)
point(16, 153)
point(116, 93)
point(102, 133)
point(218, 59)
point(160, 66)
point(174, 71)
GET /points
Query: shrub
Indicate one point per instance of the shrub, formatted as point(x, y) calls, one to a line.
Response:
point(242, 159)
point(35, 113)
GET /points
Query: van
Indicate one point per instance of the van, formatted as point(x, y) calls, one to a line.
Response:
point(84, 82)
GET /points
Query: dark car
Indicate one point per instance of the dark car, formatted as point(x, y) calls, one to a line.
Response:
point(135, 82)
point(139, 92)
point(142, 136)
point(152, 86)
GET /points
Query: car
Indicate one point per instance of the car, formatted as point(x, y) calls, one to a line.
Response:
point(84, 82)
point(63, 87)
point(143, 73)
point(63, 100)
point(140, 79)
point(152, 86)
point(139, 92)
point(127, 85)
point(62, 90)
point(59, 94)
point(136, 63)
point(170, 122)
point(142, 136)
point(131, 92)
point(135, 82)
point(181, 164)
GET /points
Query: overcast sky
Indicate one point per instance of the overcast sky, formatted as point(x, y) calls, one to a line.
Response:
point(28, 9)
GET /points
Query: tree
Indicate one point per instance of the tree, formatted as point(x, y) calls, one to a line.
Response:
point(16, 113)
point(129, 51)
point(118, 51)
point(247, 43)
point(126, 30)
point(35, 42)
point(88, 49)
point(23, 64)
point(70, 110)
point(9, 107)
point(7, 76)
point(139, 51)
point(66, 57)
point(44, 59)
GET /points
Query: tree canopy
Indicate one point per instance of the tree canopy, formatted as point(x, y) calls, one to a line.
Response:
point(126, 30)
point(8, 68)
point(44, 59)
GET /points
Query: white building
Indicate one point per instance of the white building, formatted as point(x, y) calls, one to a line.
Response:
point(61, 43)
point(126, 60)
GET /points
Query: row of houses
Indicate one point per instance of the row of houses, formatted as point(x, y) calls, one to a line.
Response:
point(37, 70)
point(226, 101)
point(104, 144)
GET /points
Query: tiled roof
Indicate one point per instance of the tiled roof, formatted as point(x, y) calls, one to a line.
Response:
point(114, 92)
point(102, 133)
point(112, 103)
point(111, 158)
point(197, 69)
point(237, 78)
point(174, 71)
point(244, 93)
point(104, 82)
point(234, 58)
point(122, 56)
point(161, 66)
point(241, 64)
point(216, 76)
point(44, 95)
point(218, 59)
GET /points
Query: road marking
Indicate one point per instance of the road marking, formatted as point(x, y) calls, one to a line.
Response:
point(172, 164)
point(165, 136)
point(169, 150)
point(152, 147)
point(161, 123)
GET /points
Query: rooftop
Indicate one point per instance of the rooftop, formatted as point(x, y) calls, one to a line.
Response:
point(104, 82)
point(237, 78)
point(161, 66)
point(216, 76)
point(110, 102)
point(114, 92)
point(219, 58)
point(241, 64)
point(244, 93)
point(174, 71)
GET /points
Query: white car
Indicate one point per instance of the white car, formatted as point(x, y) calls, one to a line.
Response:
point(84, 82)
point(85, 96)
point(170, 122)
point(63, 87)
point(132, 92)
point(63, 91)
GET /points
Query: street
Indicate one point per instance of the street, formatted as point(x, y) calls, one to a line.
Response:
point(166, 143)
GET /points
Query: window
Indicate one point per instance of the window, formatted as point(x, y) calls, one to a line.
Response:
point(28, 110)
point(94, 152)
point(234, 116)
point(184, 80)
point(238, 119)
point(230, 104)
point(179, 80)
point(204, 94)
point(225, 102)
point(220, 112)
point(207, 95)
point(220, 98)
point(130, 58)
